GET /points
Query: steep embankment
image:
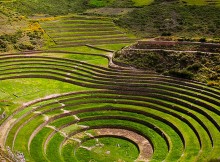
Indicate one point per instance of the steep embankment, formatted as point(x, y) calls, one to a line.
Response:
point(199, 61)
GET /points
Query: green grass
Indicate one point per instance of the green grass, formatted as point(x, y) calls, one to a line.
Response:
point(142, 2)
point(68, 152)
point(21, 142)
point(175, 141)
point(29, 7)
point(82, 49)
point(114, 47)
point(1, 110)
point(53, 153)
point(100, 3)
point(157, 140)
point(2, 104)
point(62, 121)
point(95, 60)
point(19, 91)
point(103, 3)
point(37, 150)
point(201, 2)
point(189, 140)
point(126, 151)
point(196, 2)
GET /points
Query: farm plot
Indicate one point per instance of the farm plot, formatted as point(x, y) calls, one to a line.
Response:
point(81, 30)
point(126, 115)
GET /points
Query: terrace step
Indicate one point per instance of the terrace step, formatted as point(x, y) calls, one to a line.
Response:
point(66, 32)
point(71, 100)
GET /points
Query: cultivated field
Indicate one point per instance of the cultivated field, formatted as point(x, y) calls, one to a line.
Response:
point(74, 31)
point(77, 105)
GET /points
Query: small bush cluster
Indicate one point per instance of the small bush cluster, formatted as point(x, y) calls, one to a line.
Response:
point(25, 46)
point(13, 41)
point(194, 67)
point(13, 38)
point(181, 73)
point(8, 40)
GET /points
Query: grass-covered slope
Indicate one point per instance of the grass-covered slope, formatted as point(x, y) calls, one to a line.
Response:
point(173, 19)
point(56, 7)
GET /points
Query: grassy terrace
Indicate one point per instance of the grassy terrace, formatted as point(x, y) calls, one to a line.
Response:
point(84, 108)
point(80, 30)
point(170, 113)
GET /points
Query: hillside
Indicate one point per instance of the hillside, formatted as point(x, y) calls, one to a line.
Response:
point(55, 7)
point(186, 20)
point(75, 87)
point(17, 32)
point(174, 19)
point(197, 61)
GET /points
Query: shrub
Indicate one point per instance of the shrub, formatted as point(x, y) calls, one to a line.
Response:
point(212, 83)
point(184, 60)
point(202, 40)
point(194, 67)
point(26, 46)
point(11, 38)
point(213, 76)
point(166, 34)
point(181, 73)
point(3, 44)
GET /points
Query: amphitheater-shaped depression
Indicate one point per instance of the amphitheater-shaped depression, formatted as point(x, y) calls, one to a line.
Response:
point(123, 113)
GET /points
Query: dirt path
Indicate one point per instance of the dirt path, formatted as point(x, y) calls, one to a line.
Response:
point(176, 51)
